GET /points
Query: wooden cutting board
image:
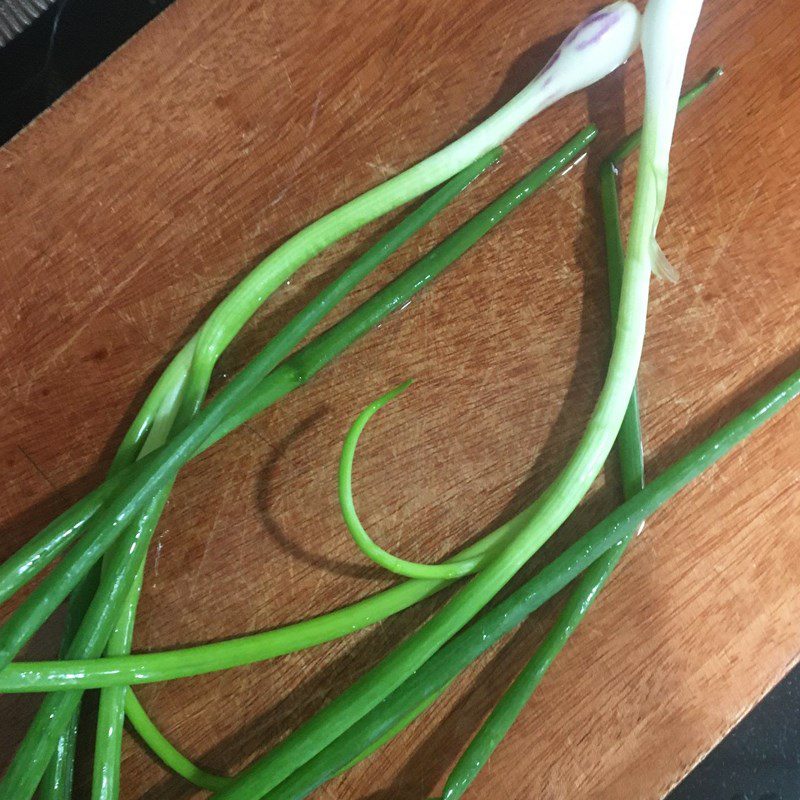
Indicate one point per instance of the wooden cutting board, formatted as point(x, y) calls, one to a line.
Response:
point(131, 207)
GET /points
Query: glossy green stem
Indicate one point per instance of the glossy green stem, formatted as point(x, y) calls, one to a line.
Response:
point(439, 671)
point(57, 780)
point(141, 483)
point(631, 463)
point(450, 570)
point(629, 440)
point(119, 636)
point(292, 373)
point(56, 711)
point(166, 751)
point(112, 700)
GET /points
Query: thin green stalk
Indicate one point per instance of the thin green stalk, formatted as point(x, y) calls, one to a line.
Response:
point(449, 570)
point(111, 708)
point(166, 751)
point(112, 700)
point(631, 462)
point(118, 638)
point(439, 671)
point(189, 771)
point(663, 62)
point(305, 363)
point(140, 484)
point(547, 514)
point(57, 709)
point(294, 372)
point(58, 778)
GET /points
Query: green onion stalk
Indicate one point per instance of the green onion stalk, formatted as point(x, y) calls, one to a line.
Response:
point(182, 389)
point(249, 392)
point(71, 524)
point(631, 464)
point(580, 61)
point(562, 496)
point(575, 65)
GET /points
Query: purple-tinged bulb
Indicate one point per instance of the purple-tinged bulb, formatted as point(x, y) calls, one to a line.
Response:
point(601, 43)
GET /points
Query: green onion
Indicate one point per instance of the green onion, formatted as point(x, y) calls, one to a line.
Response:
point(297, 370)
point(631, 461)
point(551, 508)
point(58, 778)
point(111, 709)
point(576, 65)
point(435, 675)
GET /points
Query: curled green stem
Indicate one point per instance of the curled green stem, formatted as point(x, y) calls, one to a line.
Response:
point(400, 566)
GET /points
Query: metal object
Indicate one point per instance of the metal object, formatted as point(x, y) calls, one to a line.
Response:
point(17, 15)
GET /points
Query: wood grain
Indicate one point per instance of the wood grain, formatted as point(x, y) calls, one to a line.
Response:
point(136, 202)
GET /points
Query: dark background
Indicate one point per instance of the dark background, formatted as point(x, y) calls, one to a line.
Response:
point(759, 759)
